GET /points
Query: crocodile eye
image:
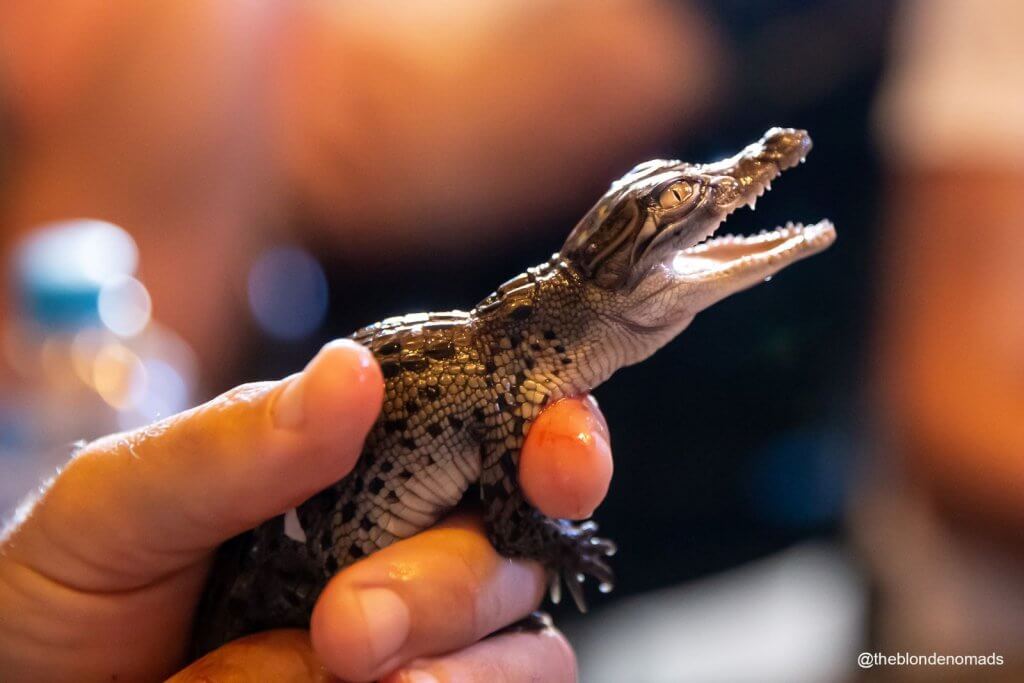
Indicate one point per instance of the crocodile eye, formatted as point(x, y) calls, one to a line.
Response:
point(674, 195)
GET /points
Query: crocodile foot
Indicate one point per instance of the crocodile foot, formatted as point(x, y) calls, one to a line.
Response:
point(580, 554)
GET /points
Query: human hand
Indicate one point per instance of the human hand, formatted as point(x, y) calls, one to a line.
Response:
point(103, 573)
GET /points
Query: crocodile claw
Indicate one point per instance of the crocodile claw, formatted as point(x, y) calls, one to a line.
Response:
point(583, 554)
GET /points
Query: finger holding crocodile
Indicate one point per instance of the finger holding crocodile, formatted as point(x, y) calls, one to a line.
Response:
point(565, 467)
point(433, 593)
point(132, 507)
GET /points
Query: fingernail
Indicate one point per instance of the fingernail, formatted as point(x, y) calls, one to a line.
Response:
point(289, 409)
point(595, 411)
point(387, 621)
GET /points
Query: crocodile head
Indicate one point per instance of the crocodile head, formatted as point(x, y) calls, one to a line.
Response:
point(647, 251)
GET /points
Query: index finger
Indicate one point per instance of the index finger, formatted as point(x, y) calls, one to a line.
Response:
point(565, 466)
point(435, 592)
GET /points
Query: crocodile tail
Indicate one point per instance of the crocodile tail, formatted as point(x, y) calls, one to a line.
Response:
point(215, 622)
point(260, 579)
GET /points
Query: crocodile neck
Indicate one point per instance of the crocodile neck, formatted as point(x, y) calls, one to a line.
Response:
point(544, 325)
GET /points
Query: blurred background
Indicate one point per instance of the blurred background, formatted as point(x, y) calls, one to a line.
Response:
point(197, 193)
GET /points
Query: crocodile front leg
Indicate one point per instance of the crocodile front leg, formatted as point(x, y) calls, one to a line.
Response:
point(568, 550)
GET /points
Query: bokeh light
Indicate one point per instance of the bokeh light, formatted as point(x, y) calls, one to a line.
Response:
point(81, 250)
point(124, 306)
point(170, 373)
point(168, 394)
point(287, 292)
point(85, 346)
point(119, 376)
point(63, 266)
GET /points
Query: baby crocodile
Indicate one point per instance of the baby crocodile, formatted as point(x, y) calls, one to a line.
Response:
point(462, 389)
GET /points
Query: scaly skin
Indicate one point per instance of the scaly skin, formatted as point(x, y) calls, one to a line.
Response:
point(462, 389)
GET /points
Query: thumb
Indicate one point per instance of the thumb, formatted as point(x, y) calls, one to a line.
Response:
point(133, 507)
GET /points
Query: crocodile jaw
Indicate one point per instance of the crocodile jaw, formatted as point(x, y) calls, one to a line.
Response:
point(733, 258)
point(719, 267)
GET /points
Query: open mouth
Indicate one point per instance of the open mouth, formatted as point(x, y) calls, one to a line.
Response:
point(768, 251)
